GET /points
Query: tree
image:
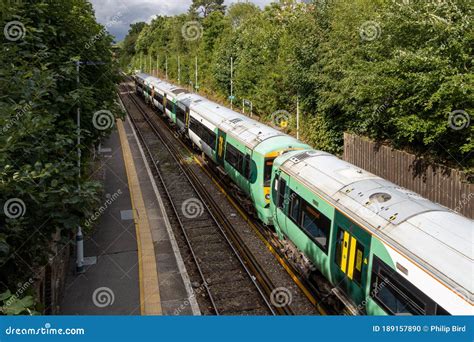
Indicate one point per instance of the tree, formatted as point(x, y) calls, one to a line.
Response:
point(205, 7)
point(38, 100)
point(399, 72)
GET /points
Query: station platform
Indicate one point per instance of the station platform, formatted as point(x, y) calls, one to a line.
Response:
point(134, 265)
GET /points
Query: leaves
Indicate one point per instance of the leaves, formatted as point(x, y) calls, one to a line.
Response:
point(12, 305)
point(38, 104)
point(398, 85)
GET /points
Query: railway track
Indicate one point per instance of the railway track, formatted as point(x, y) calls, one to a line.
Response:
point(234, 282)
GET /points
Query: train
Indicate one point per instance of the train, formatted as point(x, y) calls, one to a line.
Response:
point(376, 248)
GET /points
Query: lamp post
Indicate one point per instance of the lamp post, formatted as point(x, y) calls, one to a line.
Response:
point(231, 82)
point(297, 117)
point(79, 237)
point(179, 71)
point(196, 74)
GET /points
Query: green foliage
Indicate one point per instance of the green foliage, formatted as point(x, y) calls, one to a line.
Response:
point(206, 7)
point(392, 70)
point(39, 97)
point(128, 44)
point(10, 304)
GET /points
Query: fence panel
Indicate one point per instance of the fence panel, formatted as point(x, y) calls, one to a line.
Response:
point(436, 182)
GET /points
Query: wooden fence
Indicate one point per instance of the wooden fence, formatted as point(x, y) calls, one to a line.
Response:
point(438, 183)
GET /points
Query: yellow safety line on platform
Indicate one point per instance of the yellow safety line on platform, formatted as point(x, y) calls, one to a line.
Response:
point(150, 301)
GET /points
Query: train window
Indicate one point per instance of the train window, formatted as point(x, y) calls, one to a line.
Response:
point(158, 97)
point(267, 172)
point(247, 167)
point(194, 125)
point(180, 113)
point(281, 194)
point(295, 205)
point(315, 224)
point(232, 156)
point(394, 293)
point(208, 136)
point(169, 105)
point(358, 255)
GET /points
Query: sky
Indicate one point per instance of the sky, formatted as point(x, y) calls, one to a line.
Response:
point(117, 15)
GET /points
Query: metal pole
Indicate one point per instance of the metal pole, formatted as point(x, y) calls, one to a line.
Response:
point(231, 82)
point(79, 239)
point(196, 68)
point(243, 106)
point(297, 117)
point(78, 127)
point(179, 71)
point(79, 251)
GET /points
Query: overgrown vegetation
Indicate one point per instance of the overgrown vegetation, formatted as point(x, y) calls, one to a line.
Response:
point(396, 71)
point(41, 195)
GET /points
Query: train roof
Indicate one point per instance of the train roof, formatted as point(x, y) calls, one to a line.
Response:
point(141, 75)
point(435, 237)
point(250, 132)
point(188, 99)
point(162, 85)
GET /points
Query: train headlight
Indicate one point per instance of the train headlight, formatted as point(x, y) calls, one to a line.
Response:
point(267, 196)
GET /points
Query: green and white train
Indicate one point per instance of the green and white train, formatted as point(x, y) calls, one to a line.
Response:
point(380, 248)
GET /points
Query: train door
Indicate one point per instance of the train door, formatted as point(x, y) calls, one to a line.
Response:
point(164, 103)
point(220, 151)
point(351, 253)
point(280, 191)
point(186, 124)
point(248, 171)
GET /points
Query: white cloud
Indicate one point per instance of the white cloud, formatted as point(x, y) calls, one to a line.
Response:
point(117, 15)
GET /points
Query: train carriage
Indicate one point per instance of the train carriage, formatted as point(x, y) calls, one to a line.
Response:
point(386, 249)
point(140, 83)
point(158, 93)
point(382, 249)
point(243, 148)
point(183, 110)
